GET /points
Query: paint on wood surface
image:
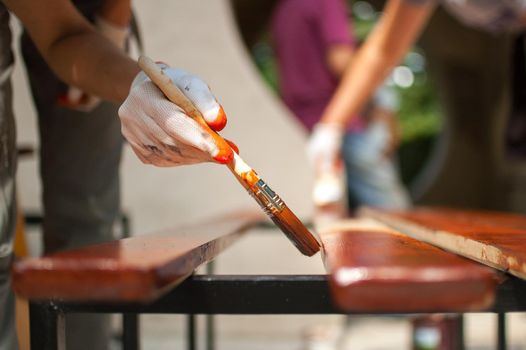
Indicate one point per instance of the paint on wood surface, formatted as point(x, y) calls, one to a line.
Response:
point(492, 238)
point(133, 269)
point(374, 268)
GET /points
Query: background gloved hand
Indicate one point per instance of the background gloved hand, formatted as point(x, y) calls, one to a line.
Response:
point(324, 146)
point(78, 99)
point(161, 133)
point(324, 154)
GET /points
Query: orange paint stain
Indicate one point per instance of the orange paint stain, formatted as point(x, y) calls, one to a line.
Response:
point(225, 155)
point(233, 145)
point(220, 121)
point(250, 177)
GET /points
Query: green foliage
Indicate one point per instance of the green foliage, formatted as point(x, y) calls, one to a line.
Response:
point(419, 112)
point(265, 61)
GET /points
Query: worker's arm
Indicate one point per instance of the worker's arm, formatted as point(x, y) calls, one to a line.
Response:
point(159, 132)
point(393, 35)
point(73, 49)
point(338, 42)
point(112, 21)
point(396, 31)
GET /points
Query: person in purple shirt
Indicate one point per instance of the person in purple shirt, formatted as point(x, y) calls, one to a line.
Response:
point(314, 43)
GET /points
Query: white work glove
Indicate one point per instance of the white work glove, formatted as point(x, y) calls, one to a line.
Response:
point(161, 133)
point(324, 154)
point(324, 146)
point(77, 99)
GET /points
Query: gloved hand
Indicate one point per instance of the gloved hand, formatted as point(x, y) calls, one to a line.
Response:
point(161, 133)
point(78, 99)
point(324, 154)
point(324, 146)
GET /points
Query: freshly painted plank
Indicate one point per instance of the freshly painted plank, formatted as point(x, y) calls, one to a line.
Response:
point(136, 269)
point(375, 268)
point(492, 238)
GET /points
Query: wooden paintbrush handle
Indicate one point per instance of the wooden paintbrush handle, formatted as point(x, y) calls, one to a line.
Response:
point(174, 94)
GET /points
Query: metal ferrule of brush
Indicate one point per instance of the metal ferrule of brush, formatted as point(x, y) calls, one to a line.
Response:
point(267, 199)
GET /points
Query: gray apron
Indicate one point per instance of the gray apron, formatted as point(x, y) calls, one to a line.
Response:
point(7, 175)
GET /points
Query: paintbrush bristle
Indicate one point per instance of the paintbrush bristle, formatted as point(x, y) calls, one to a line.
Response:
point(296, 232)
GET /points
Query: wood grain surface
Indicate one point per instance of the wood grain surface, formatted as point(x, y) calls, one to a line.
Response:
point(135, 269)
point(374, 268)
point(492, 238)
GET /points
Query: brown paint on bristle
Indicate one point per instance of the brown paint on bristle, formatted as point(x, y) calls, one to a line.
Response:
point(296, 232)
point(285, 219)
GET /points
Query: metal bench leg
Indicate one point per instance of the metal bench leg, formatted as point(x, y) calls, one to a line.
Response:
point(47, 327)
point(130, 332)
point(501, 331)
point(191, 332)
point(210, 332)
point(210, 326)
point(460, 333)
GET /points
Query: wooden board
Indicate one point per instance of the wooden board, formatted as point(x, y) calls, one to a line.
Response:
point(134, 269)
point(492, 238)
point(374, 268)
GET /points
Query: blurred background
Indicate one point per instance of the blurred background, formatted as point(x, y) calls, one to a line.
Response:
point(227, 44)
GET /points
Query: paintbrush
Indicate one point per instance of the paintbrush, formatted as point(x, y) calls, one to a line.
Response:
point(271, 203)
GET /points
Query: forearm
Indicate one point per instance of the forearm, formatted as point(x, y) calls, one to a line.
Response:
point(74, 50)
point(93, 64)
point(358, 83)
point(392, 37)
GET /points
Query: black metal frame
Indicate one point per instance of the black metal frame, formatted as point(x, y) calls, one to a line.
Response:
point(233, 295)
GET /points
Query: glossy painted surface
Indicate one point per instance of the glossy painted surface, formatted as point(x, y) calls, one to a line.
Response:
point(374, 268)
point(133, 269)
point(495, 239)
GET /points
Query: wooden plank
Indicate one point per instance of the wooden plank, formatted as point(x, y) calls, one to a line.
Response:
point(137, 269)
point(495, 239)
point(374, 268)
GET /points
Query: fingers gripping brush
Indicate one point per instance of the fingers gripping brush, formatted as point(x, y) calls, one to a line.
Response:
point(269, 201)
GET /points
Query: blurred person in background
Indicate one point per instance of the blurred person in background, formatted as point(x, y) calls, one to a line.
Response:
point(396, 31)
point(80, 152)
point(314, 44)
point(157, 130)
